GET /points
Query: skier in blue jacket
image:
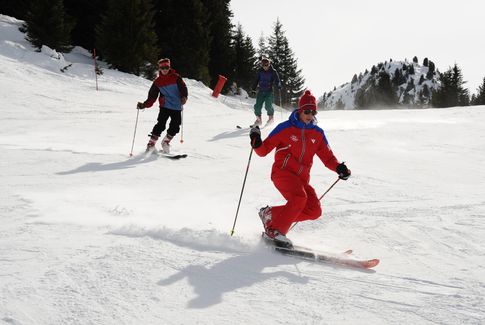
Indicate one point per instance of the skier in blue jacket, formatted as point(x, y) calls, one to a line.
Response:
point(267, 77)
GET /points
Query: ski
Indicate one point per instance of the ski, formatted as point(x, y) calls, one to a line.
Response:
point(327, 258)
point(313, 256)
point(251, 126)
point(160, 153)
point(173, 156)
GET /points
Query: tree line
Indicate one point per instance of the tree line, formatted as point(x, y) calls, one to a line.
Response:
point(131, 35)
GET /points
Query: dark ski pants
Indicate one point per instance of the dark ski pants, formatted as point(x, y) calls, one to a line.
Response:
point(302, 202)
point(266, 98)
point(175, 121)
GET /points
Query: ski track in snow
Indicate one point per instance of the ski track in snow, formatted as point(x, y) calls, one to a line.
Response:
point(89, 235)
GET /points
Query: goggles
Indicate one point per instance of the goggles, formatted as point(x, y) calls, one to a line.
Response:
point(310, 111)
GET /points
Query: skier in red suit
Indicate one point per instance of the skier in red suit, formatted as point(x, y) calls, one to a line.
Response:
point(296, 141)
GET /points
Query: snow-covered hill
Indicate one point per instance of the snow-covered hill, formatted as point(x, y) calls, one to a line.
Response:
point(412, 81)
point(89, 235)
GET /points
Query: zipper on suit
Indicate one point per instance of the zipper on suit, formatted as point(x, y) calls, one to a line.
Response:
point(286, 161)
point(303, 147)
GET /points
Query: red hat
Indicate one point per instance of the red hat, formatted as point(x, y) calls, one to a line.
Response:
point(307, 101)
point(164, 62)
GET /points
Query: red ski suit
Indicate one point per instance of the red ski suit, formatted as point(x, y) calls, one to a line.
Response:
point(296, 143)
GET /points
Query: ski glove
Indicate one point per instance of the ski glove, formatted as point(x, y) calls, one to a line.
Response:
point(343, 172)
point(140, 105)
point(255, 135)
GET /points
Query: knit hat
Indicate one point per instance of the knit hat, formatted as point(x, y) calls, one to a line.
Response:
point(307, 101)
point(164, 62)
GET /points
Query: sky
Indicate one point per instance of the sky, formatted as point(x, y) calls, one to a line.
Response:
point(333, 40)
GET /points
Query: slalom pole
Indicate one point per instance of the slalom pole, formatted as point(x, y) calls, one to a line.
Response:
point(328, 190)
point(182, 126)
point(134, 133)
point(242, 190)
point(95, 68)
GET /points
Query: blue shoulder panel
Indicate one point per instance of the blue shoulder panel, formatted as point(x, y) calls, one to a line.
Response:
point(282, 126)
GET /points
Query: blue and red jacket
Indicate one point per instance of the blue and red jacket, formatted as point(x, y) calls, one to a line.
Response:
point(296, 143)
point(266, 79)
point(171, 88)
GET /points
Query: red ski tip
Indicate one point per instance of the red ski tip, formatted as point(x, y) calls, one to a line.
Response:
point(371, 263)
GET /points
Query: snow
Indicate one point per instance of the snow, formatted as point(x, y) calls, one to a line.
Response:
point(89, 235)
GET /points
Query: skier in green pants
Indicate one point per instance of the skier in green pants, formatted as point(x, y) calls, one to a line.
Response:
point(266, 78)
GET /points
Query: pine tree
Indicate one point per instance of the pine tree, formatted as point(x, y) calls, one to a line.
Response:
point(473, 100)
point(47, 24)
point(415, 59)
point(479, 98)
point(431, 70)
point(87, 14)
point(424, 95)
point(221, 53)
point(283, 60)
point(126, 37)
point(451, 93)
point(244, 58)
point(181, 27)
point(425, 62)
point(398, 78)
point(421, 79)
point(354, 79)
point(376, 92)
point(339, 105)
point(386, 95)
point(262, 50)
point(275, 46)
point(15, 8)
point(411, 69)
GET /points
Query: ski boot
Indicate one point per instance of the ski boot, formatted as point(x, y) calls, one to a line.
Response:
point(270, 120)
point(151, 143)
point(166, 144)
point(276, 238)
point(258, 122)
point(265, 216)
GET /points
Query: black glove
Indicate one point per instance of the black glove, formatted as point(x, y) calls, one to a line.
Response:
point(255, 135)
point(139, 105)
point(343, 172)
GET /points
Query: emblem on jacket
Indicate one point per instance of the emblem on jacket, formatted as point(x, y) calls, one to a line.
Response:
point(313, 140)
point(294, 138)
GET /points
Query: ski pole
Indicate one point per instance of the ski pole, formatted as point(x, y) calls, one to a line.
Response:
point(328, 190)
point(182, 126)
point(242, 190)
point(134, 133)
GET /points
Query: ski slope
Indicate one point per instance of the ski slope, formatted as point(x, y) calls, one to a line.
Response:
point(89, 235)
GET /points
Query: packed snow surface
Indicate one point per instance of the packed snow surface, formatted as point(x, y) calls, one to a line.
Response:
point(89, 235)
